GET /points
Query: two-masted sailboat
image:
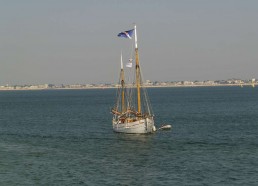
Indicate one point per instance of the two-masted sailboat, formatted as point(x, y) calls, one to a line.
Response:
point(132, 111)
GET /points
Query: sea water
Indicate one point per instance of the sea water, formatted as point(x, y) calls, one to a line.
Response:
point(65, 137)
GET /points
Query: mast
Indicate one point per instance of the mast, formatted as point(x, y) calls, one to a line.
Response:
point(137, 68)
point(122, 78)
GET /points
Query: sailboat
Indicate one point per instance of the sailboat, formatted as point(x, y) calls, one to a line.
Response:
point(132, 111)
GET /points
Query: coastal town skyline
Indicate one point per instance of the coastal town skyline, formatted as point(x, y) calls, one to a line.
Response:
point(230, 82)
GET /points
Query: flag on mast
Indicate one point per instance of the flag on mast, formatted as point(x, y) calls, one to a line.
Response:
point(126, 34)
point(129, 64)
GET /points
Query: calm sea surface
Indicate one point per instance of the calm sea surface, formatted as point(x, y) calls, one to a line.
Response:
point(65, 137)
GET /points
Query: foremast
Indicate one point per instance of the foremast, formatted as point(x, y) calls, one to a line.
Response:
point(122, 79)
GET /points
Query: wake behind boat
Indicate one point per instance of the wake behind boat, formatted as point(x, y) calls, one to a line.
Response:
point(132, 111)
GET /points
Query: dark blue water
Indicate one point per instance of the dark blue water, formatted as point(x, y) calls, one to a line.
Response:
point(65, 137)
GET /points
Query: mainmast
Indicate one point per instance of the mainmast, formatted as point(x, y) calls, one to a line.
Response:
point(137, 68)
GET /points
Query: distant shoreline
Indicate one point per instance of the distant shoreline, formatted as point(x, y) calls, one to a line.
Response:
point(109, 87)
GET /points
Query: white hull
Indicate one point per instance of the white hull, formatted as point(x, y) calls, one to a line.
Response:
point(142, 126)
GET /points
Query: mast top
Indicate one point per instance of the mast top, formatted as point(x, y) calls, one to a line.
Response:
point(135, 36)
point(122, 66)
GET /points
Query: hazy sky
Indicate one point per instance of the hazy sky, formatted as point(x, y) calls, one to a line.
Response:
point(75, 41)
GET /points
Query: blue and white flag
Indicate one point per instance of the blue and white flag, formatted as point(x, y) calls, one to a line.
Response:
point(126, 34)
